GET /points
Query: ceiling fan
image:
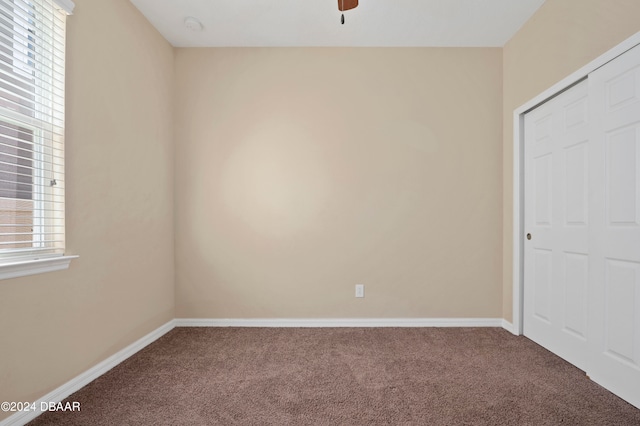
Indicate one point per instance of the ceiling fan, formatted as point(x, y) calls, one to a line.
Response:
point(346, 5)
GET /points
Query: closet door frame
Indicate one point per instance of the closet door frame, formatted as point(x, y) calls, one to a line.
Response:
point(516, 327)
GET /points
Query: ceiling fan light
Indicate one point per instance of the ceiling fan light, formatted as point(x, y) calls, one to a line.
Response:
point(347, 4)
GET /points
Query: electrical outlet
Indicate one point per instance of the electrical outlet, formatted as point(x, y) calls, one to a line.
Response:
point(359, 290)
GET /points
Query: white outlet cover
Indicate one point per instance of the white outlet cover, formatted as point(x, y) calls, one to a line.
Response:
point(359, 290)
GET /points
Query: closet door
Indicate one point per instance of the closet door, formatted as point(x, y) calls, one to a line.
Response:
point(614, 230)
point(556, 264)
point(582, 214)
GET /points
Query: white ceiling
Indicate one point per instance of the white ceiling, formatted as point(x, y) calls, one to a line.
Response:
point(468, 23)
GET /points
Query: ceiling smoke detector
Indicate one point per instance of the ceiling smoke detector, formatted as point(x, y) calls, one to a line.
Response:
point(192, 24)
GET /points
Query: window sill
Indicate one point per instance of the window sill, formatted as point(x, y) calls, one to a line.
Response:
point(33, 267)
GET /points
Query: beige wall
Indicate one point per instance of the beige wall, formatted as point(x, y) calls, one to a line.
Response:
point(298, 173)
point(560, 38)
point(119, 187)
point(301, 172)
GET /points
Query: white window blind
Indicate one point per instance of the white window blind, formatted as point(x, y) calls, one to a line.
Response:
point(32, 58)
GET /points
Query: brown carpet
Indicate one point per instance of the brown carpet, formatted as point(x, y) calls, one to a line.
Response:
point(344, 376)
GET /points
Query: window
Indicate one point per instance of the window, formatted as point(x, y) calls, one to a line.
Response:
point(32, 56)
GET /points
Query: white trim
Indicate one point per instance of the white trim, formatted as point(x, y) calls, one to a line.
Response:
point(88, 376)
point(75, 384)
point(508, 326)
point(518, 170)
point(66, 5)
point(35, 266)
point(338, 322)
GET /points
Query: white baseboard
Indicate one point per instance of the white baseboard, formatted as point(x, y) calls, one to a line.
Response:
point(75, 384)
point(509, 327)
point(339, 322)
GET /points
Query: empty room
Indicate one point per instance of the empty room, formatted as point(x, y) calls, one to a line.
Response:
point(349, 212)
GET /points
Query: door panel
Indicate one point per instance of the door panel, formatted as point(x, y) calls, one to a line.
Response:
point(576, 196)
point(621, 287)
point(582, 209)
point(542, 288)
point(614, 234)
point(543, 183)
point(621, 176)
point(575, 308)
point(556, 216)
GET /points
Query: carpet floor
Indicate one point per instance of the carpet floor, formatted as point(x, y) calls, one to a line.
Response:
point(344, 376)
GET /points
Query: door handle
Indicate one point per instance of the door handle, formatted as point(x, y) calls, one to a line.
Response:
point(528, 236)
